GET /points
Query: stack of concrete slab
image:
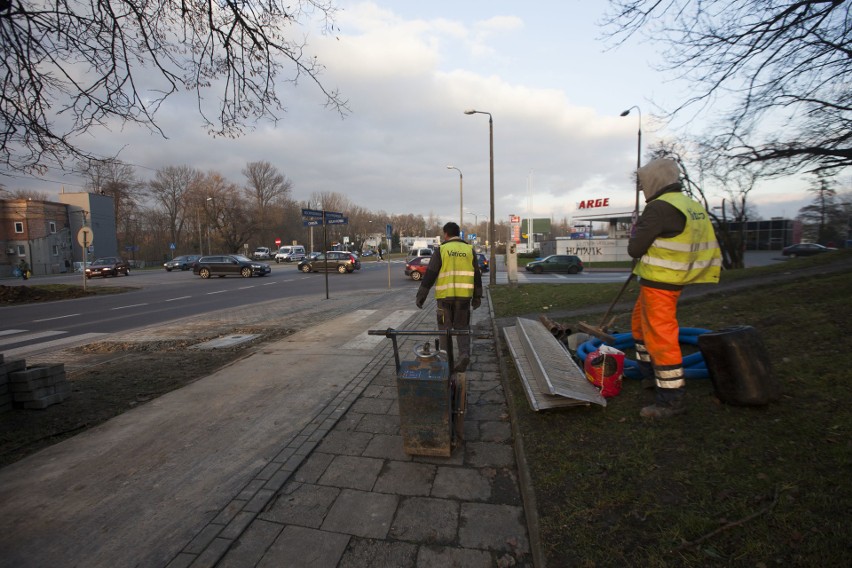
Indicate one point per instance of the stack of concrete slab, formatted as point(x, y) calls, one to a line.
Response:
point(6, 368)
point(33, 387)
point(550, 376)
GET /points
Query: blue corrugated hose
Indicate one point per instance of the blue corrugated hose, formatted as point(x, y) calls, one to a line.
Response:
point(693, 365)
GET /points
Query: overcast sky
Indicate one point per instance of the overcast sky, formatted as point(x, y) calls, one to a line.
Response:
point(409, 69)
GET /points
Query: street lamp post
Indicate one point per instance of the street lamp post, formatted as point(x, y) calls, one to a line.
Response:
point(209, 251)
point(461, 195)
point(492, 274)
point(638, 156)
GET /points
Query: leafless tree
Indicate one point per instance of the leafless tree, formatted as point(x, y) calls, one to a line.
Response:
point(826, 219)
point(786, 64)
point(264, 186)
point(171, 189)
point(71, 66)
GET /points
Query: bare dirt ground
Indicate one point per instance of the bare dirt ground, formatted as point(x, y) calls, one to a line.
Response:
point(111, 377)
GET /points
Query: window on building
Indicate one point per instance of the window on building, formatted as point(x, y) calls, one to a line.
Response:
point(55, 250)
point(22, 251)
point(19, 226)
point(52, 227)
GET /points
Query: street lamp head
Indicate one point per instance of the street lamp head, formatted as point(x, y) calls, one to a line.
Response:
point(209, 199)
point(625, 113)
point(451, 167)
point(470, 111)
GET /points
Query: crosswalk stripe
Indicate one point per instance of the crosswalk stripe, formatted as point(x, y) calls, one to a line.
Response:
point(49, 345)
point(29, 337)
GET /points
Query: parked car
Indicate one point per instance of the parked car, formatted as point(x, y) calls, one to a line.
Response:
point(229, 265)
point(290, 253)
point(483, 261)
point(556, 263)
point(416, 267)
point(262, 253)
point(805, 249)
point(367, 252)
point(338, 261)
point(183, 262)
point(108, 266)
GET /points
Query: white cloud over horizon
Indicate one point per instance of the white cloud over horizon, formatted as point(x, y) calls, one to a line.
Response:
point(409, 70)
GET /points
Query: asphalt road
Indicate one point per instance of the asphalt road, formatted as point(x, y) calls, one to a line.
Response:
point(160, 297)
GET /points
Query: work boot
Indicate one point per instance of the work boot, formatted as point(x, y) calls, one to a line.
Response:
point(461, 365)
point(670, 402)
point(657, 410)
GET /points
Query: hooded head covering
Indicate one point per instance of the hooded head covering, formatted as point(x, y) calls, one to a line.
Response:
point(657, 175)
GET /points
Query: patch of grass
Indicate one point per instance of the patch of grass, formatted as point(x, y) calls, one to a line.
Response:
point(50, 292)
point(721, 485)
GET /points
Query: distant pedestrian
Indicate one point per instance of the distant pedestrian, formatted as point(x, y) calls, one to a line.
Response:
point(24, 268)
point(379, 252)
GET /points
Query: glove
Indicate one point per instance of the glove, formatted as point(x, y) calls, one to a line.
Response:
point(475, 303)
point(421, 298)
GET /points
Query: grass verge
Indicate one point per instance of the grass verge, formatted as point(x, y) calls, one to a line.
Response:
point(721, 485)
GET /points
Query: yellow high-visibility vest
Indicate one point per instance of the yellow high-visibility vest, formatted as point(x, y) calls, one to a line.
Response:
point(456, 277)
point(692, 257)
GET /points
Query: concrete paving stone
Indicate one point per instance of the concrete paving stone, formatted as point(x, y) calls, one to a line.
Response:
point(352, 472)
point(372, 405)
point(363, 514)
point(237, 525)
point(229, 512)
point(488, 454)
point(504, 487)
point(268, 470)
point(372, 391)
point(493, 396)
point(250, 490)
point(313, 467)
point(405, 478)
point(426, 520)
point(348, 421)
point(493, 527)
point(345, 442)
point(259, 501)
point(247, 551)
point(389, 393)
point(386, 447)
point(494, 431)
point(182, 560)
point(298, 547)
point(379, 424)
point(203, 539)
point(471, 431)
point(303, 504)
point(456, 458)
point(441, 557)
point(466, 484)
point(363, 553)
point(494, 412)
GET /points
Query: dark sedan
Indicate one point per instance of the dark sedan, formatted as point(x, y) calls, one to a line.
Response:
point(108, 266)
point(483, 262)
point(556, 263)
point(805, 249)
point(230, 265)
point(183, 262)
point(338, 261)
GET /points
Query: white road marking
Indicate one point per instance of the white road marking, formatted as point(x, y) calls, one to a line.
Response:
point(51, 345)
point(179, 298)
point(130, 306)
point(31, 336)
point(57, 318)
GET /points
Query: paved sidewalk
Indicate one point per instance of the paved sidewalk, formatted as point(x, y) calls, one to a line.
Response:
point(342, 492)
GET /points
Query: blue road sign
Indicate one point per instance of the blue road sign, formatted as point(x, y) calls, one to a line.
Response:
point(333, 215)
point(341, 221)
point(312, 223)
point(311, 213)
point(388, 231)
point(172, 246)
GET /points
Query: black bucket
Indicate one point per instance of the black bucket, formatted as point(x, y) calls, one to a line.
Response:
point(739, 366)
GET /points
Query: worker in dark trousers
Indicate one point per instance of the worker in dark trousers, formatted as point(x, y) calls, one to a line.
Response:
point(454, 272)
point(24, 269)
point(674, 245)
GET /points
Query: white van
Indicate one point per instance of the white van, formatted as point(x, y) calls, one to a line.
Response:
point(290, 253)
point(420, 251)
